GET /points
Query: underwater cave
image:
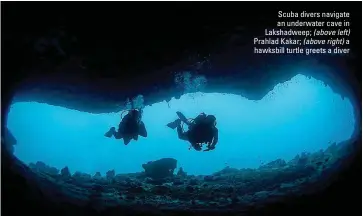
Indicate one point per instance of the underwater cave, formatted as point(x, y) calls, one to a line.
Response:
point(287, 143)
point(289, 125)
point(300, 115)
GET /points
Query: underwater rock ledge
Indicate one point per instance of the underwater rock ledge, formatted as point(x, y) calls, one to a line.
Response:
point(226, 190)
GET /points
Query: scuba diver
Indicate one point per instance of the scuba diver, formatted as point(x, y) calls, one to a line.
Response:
point(201, 130)
point(130, 127)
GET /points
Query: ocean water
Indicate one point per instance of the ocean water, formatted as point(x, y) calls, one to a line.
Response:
point(300, 115)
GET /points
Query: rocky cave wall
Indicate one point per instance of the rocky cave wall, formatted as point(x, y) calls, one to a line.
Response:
point(241, 74)
point(84, 62)
point(94, 64)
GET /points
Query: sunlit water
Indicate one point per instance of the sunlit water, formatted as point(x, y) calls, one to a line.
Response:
point(299, 115)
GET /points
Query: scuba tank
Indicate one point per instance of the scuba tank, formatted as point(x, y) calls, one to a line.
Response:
point(132, 109)
point(201, 117)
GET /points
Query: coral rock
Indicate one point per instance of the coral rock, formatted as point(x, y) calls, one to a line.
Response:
point(65, 172)
point(209, 178)
point(181, 173)
point(81, 176)
point(162, 168)
point(161, 190)
point(97, 175)
point(279, 163)
point(110, 174)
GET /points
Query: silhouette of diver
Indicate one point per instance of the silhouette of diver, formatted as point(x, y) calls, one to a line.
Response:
point(129, 128)
point(201, 130)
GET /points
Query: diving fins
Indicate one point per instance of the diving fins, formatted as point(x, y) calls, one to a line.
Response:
point(182, 117)
point(174, 124)
point(110, 132)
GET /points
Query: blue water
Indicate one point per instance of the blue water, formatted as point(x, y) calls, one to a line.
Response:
point(301, 115)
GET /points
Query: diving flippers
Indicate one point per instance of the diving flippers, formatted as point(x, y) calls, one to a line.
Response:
point(110, 132)
point(182, 117)
point(174, 124)
point(127, 140)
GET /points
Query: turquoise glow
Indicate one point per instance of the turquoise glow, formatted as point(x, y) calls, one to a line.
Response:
point(299, 115)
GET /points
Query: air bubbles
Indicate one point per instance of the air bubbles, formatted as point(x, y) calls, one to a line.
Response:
point(190, 83)
point(136, 102)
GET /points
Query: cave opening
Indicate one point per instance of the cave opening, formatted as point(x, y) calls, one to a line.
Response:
point(300, 115)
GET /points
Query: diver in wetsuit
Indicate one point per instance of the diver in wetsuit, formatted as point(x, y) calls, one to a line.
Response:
point(129, 128)
point(201, 130)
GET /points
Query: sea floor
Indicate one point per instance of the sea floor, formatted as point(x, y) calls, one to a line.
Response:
point(228, 189)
